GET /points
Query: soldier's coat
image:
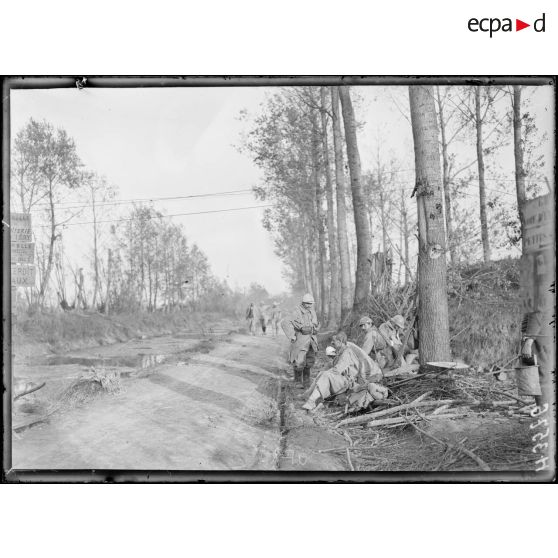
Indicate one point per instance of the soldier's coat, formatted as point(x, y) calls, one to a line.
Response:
point(292, 326)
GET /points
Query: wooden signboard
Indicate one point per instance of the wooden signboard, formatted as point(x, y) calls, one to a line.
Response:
point(23, 275)
point(538, 261)
point(21, 220)
point(539, 225)
point(20, 227)
point(23, 252)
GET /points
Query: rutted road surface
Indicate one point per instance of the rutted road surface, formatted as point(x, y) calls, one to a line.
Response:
point(229, 408)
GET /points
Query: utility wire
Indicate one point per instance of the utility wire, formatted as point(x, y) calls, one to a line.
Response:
point(139, 200)
point(155, 217)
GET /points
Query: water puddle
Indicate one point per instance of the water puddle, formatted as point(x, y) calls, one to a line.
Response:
point(202, 334)
point(128, 361)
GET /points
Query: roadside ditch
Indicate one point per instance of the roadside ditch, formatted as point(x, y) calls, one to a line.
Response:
point(74, 380)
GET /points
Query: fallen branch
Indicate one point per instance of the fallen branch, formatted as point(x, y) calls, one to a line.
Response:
point(508, 395)
point(363, 418)
point(457, 447)
point(28, 388)
point(385, 403)
point(440, 409)
point(332, 450)
point(368, 416)
point(385, 422)
point(349, 460)
point(348, 438)
point(404, 370)
point(401, 420)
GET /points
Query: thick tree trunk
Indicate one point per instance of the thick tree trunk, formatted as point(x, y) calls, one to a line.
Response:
point(406, 241)
point(334, 310)
point(401, 237)
point(315, 290)
point(48, 271)
point(311, 253)
point(382, 202)
point(306, 269)
point(518, 155)
point(342, 235)
point(434, 344)
point(364, 252)
point(446, 179)
point(482, 186)
point(386, 273)
point(323, 302)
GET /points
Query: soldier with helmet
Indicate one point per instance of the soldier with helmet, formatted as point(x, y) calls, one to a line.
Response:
point(393, 330)
point(384, 343)
point(374, 344)
point(301, 328)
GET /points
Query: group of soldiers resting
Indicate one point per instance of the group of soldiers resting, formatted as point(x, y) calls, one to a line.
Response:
point(356, 372)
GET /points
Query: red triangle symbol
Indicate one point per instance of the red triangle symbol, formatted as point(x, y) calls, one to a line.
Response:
point(519, 25)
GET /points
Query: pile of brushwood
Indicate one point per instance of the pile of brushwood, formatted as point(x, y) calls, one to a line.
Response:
point(484, 309)
point(441, 407)
point(447, 420)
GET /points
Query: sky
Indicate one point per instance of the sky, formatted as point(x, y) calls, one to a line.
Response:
point(170, 142)
point(163, 142)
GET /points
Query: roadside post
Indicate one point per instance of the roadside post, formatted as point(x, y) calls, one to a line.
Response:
point(538, 273)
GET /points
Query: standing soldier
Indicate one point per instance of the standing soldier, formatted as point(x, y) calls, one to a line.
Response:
point(301, 328)
point(251, 317)
point(264, 317)
point(275, 319)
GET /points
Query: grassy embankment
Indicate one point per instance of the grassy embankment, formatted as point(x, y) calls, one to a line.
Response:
point(486, 313)
point(60, 331)
point(484, 303)
point(484, 308)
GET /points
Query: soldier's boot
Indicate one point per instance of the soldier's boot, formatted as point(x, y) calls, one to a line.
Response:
point(306, 377)
point(297, 375)
point(312, 402)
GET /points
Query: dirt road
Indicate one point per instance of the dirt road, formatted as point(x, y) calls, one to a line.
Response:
point(226, 404)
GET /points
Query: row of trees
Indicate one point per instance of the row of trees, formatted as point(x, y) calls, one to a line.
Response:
point(328, 215)
point(137, 259)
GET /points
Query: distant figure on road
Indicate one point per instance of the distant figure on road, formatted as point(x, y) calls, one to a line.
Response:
point(251, 317)
point(353, 371)
point(264, 317)
point(275, 319)
point(301, 328)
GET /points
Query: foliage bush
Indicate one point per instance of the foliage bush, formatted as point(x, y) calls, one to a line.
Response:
point(484, 312)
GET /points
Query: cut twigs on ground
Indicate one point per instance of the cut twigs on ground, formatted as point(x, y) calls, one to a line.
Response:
point(368, 416)
point(457, 447)
point(351, 466)
point(475, 417)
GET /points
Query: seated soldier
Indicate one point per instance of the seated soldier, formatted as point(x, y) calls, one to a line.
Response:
point(374, 344)
point(352, 370)
point(392, 331)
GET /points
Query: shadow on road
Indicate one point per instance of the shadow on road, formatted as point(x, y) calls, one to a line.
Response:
point(198, 393)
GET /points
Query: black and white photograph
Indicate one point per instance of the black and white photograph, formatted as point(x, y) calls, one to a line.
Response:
point(280, 278)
